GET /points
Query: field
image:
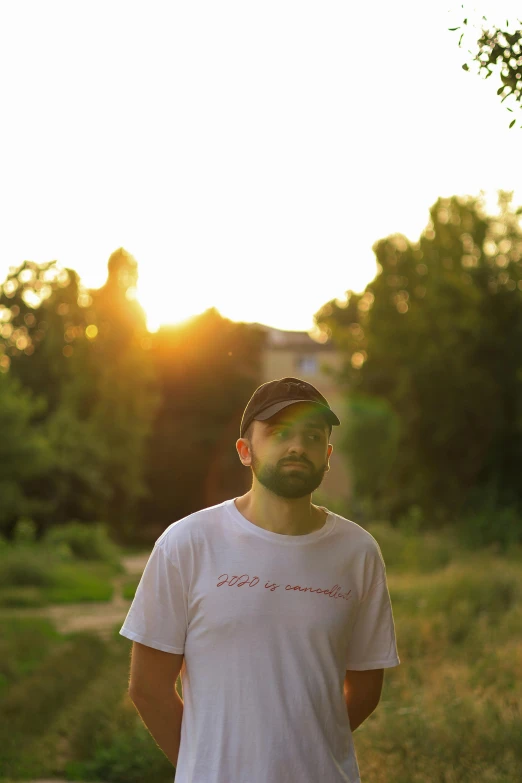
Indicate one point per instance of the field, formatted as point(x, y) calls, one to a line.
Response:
point(451, 713)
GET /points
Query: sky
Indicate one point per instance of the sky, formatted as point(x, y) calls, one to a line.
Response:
point(248, 155)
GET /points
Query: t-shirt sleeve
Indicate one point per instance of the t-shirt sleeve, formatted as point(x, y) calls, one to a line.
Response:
point(372, 641)
point(158, 614)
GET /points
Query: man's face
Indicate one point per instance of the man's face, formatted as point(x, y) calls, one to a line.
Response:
point(297, 434)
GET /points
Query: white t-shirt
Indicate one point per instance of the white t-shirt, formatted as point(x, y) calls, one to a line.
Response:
point(268, 624)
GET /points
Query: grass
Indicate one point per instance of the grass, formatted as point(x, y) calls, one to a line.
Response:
point(66, 711)
point(38, 575)
point(24, 644)
point(129, 588)
point(450, 713)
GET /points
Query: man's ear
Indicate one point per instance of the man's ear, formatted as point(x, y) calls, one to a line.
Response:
point(328, 454)
point(243, 449)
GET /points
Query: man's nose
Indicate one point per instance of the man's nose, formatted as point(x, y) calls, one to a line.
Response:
point(297, 445)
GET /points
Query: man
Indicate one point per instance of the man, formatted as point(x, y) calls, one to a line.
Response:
point(275, 610)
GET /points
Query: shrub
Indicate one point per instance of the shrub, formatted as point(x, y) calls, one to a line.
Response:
point(496, 527)
point(129, 588)
point(24, 531)
point(405, 549)
point(24, 567)
point(85, 541)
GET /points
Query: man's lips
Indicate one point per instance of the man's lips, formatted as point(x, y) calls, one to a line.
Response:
point(295, 464)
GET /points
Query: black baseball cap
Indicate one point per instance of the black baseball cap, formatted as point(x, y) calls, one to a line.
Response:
point(271, 397)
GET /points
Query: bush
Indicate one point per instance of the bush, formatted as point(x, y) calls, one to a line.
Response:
point(128, 754)
point(80, 583)
point(129, 588)
point(24, 531)
point(32, 703)
point(500, 528)
point(85, 541)
point(24, 644)
point(22, 598)
point(405, 549)
point(24, 567)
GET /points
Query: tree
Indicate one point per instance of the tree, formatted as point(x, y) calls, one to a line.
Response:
point(497, 49)
point(434, 353)
point(44, 323)
point(124, 396)
point(206, 368)
point(85, 353)
point(24, 452)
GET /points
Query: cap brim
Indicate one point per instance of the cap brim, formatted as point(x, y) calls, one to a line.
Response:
point(278, 406)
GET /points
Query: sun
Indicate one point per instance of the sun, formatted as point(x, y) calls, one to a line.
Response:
point(165, 307)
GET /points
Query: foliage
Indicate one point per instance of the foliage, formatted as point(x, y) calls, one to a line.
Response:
point(410, 551)
point(24, 644)
point(490, 526)
point(73, 584)
point(24, 531)
point(457, 688)
point(129, 588)
point(28, 705)
point(371, 438)
point(498, 49)
point(24, 452)
point(37, 575)
point(82, 355)
point(85, 541)
point(434, 362)
point(206, 369)
point(25, 567)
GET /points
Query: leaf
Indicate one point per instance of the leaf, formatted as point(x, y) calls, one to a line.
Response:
point(512, 123)
point(453, 28)
point(507, 107)
point(460, 39)
point(465, 21)
point(465, 67)
point(500, 90)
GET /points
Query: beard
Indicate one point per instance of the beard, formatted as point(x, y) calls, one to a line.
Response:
point(289, 482)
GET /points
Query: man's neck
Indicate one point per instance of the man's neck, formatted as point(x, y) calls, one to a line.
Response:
point(288, 517)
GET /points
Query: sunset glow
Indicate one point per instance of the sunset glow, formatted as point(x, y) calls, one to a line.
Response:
point(247, 157)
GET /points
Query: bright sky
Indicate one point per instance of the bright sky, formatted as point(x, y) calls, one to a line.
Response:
point(247, 154)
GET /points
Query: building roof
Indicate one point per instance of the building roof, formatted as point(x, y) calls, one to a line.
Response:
point(283, 339)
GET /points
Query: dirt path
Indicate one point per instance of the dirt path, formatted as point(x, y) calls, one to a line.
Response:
point(100, 616)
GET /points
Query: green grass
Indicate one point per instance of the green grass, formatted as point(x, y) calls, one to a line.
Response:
point(129, 588)
point(30, 704)
point(66, 712)
point(24, 644)
point(37, 575)
point(413, 553)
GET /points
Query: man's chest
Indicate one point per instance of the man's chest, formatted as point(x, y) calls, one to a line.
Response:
point(244, 595)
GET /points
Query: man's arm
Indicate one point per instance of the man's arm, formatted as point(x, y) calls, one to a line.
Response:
point(152, 689)
point(362, 691)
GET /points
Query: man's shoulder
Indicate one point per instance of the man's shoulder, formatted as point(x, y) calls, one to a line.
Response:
point(185, 528)
point(358, 536)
